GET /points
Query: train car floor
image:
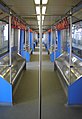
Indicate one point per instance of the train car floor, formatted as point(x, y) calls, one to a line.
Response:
point(53, 96)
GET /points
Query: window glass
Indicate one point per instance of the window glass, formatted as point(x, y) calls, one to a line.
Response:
point(77, 38)
point(3, 37)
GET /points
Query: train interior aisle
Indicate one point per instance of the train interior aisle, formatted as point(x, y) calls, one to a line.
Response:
point(40, 59)
point(53, 96)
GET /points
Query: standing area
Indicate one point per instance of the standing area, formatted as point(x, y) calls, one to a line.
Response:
point(53, 96)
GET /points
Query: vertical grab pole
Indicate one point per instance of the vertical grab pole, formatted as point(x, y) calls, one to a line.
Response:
point(51, 39)
point(40, 61)
point(25, 45)
point(10, 47)
point(70, 45)
point(25, 40)
point(19, 41)
point(29, 36)
point(54, 44)
point(54, 48)
point(32, 39)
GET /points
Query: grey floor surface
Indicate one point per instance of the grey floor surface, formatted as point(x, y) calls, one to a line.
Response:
point(53, 96)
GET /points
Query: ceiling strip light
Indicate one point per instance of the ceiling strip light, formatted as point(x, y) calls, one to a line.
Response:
point(42, 22)
point(38, 18)
point(39, 23)
point(42, 17)
point(37, 10)
point(37, 1)
point(43, 9)
point(44, 1)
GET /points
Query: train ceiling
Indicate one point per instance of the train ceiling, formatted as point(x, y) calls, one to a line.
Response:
point(3, 15)
point(56, 9)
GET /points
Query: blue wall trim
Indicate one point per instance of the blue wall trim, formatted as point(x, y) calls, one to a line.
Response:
point(21, 41)
point(26, 55)
point(75, 93)
point(31, 39)
point(49, 39)
point(5, 92)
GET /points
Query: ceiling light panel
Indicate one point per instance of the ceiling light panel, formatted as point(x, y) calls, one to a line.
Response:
point(44, 1)
point(42, 17)
point(37, 10)
point(43, 9)
point(38, 18)
point(39, 23)
point(42, 22)
point(37, 2)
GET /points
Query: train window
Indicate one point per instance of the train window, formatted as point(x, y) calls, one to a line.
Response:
point(12, 38)
point(3, 37)
point(77, 38)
